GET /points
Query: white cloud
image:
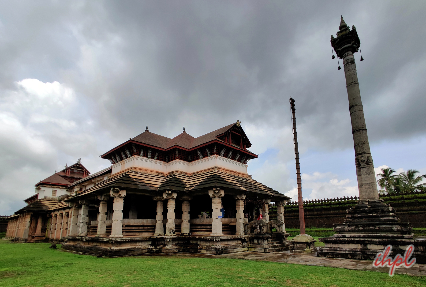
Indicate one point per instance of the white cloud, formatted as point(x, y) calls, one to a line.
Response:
point(327, 185)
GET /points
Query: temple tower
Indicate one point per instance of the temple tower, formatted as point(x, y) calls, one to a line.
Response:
point(345, 45)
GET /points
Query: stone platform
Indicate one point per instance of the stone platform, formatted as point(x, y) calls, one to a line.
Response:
point(369, 227)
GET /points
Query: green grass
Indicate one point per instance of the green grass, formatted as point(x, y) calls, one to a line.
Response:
point(37, 265)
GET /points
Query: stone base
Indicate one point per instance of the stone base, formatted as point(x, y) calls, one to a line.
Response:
point(369, 227)
point(167, 245)
point(302, 242)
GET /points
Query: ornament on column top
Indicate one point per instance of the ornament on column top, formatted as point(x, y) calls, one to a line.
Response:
point(240, 196)
point(216, 192)
point(116, 192)
point(186, 197)
point(103, 197)
point(158, 198)
point(83, 202)
point(168, 194)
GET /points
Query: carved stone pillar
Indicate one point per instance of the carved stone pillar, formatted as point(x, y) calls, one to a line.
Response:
point(64, 224)
point(102, 215)
point(117, 216)
point(39, 226)
point(280, 216)
point(216, 194)
point(266, 210)
point(83, 218)
point(58, 226)
point(159, 228)
point(74, 224)
point(186, 207)
point(171, 216)
point(53, 226)
point(239, 204)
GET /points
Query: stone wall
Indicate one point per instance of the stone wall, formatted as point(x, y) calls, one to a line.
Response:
point(326, 212)
point(3, 223)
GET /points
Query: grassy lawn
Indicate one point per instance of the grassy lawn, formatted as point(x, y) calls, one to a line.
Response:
point(37, 265)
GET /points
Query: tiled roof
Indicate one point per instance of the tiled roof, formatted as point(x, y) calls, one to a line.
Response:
point(135, 178)
point(43, 205)
point(104, 171)
point(184, 140)
point(54, 179)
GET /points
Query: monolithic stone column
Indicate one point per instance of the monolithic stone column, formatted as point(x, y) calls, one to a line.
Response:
point(103, 208)
point(65, 224)
point(39, 225)
point(266, 210)
point(58, 226)
point(117, 216)
point(74, 223)
point(186, 207)
point(53, 226)
point(280, 216)
point(26, 226)
point(171, 216)
point(83, 218)
point(159, 228)
point(239, 204)
point(347, 43)
point(216, 194)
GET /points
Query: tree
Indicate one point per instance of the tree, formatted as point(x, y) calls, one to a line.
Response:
point(410, 182)
point(386, 181)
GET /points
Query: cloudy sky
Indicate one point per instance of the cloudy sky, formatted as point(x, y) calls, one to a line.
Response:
point(78, 78)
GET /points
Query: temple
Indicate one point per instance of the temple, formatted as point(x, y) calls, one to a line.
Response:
point(159, 195)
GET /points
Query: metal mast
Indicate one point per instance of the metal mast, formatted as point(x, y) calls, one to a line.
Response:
point(299, 178)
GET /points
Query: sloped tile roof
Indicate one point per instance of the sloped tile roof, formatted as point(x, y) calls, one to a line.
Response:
point(54, 179)
point(43, 205)
point(154, 181)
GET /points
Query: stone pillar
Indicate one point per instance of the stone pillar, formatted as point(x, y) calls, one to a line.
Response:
point(159, 228)
point(102, 215)
point(185, 228)
point(216, 194)
point(26, 226)
point(117, 216)
point(83, 219)
point(65, 224)
point(239, 204)
point(74, 223)
point(347, 43)
point(58, 225)
point(170, 224)
point(266, 210)
point(39, 226)
point(280, 216)
point(53, 226)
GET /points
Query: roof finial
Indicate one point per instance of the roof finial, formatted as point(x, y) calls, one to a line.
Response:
point(146, 129)
point(79, 160)
point(238, 123)
point(183, 129)
point(342, 23)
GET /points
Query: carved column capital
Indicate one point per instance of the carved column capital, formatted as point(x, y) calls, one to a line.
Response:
point(216, 193)
point(83, 202)
point(240, 196)
point(103, 197)
point(169, 194)
point(186, 197)
point(267, 201)
point(158, 198)
point(116, 192)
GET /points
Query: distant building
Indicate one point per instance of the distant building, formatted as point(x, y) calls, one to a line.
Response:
point(159, 195)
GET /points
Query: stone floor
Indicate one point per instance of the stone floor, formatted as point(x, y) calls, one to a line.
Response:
point(311, 259)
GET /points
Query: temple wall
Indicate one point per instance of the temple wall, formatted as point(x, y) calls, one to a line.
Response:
point(46, 191)
point(179, 165)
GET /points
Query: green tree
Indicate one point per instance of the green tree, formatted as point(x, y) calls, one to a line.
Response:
point(410, 181)
point(386, 181)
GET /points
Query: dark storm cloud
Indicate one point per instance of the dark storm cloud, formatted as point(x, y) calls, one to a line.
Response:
point(202, 65)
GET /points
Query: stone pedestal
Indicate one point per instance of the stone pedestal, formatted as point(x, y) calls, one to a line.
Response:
point(102, 215)
point(159, 227)
point(170, 225)
point(239, 204)
point(368, 228)
point(117, 216)
point(216, 194)
point(83, 218)
point(185, 227)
